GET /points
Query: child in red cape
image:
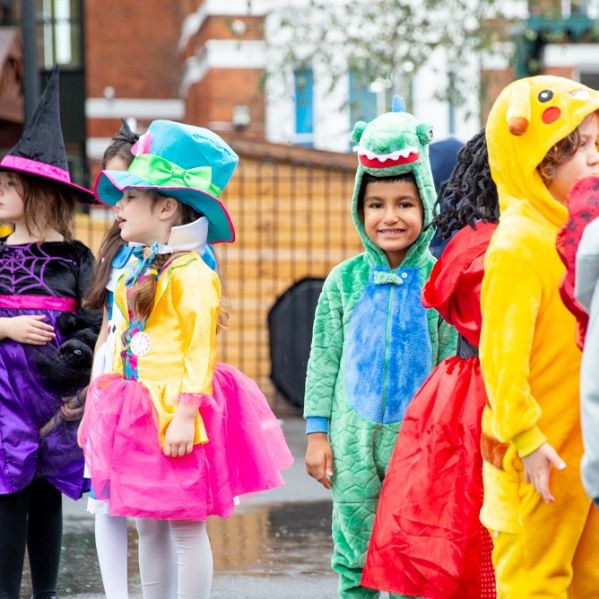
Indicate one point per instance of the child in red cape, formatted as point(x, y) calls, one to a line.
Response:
point(427, 539)
point(583, 207)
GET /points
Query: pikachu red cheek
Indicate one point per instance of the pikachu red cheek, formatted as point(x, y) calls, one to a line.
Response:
point(551, 114)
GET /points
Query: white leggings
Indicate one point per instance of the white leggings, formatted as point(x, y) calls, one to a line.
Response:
point(111, 545)
point(175, 560)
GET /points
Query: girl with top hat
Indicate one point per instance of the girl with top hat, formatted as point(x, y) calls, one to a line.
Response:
point(114, 256)
point(170, 440)
point(43, 273)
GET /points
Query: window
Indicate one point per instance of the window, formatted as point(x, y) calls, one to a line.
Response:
point(5, 13)
point(59, 33)
point(362, 101)
point(303, 80)
point(575, 8)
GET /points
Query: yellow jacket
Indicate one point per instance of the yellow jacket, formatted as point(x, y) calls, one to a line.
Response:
point(528, 355)
point(182, 332)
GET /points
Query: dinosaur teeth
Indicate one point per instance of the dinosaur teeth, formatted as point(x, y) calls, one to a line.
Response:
point(396, 155)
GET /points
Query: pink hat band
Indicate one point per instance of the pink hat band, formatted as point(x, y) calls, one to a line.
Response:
point(36, 168)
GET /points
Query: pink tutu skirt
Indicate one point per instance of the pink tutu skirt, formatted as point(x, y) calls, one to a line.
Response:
point(245, 453)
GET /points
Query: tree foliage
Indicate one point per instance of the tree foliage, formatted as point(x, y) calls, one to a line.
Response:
point(385, 41)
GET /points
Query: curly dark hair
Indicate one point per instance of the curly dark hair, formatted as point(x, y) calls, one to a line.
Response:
point(559, 154)
point(470, 194)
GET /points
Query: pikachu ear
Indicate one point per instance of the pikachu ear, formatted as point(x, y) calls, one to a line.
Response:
point(518, 112)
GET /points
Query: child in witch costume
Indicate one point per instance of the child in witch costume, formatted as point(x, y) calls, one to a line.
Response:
point(43, 273)
point(374, 343)
point(541, 135)
point(167, 440)
point(427, 539)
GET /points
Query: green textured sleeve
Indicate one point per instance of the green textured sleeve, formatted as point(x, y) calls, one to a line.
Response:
point(326, 351)
point(448, 341)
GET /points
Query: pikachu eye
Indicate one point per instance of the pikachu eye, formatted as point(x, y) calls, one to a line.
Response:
point(545, 95)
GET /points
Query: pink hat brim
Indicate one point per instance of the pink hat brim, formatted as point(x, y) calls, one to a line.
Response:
point(45, 171)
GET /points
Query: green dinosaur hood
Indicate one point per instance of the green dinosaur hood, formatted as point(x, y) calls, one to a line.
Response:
point(392, 144)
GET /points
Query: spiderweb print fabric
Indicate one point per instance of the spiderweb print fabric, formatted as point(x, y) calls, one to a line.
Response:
point(23, 269)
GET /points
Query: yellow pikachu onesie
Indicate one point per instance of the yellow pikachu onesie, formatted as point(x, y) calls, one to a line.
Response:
point(529, 357)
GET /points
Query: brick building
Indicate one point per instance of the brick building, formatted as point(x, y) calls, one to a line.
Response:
point(196, 61)
point(557, 37)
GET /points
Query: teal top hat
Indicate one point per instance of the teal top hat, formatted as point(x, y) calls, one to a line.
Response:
point(188, 163)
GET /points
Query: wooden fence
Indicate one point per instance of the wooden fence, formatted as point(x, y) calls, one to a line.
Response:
point(291, 209)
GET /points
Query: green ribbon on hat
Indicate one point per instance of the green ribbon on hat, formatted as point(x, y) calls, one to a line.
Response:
point(161, 172)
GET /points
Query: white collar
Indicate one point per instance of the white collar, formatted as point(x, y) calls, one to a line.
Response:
point(185, 238)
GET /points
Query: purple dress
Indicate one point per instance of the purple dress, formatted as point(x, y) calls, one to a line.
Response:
point(37, 278)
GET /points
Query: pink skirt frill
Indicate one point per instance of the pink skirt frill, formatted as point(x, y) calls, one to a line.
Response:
point(245, 453)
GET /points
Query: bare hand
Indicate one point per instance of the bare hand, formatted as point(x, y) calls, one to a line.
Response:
point(70, 414)
point(72, 407)
point(28, 329)
point(538, 468)
point(178, 440)
point(319, 458)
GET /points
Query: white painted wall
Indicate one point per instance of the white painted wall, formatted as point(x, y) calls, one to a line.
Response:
point(583, 57)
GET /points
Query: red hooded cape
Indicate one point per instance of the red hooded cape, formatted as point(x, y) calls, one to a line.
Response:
point(427, 540)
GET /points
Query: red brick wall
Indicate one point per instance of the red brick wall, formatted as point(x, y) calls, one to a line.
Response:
point(132, 46)
point(544, 7)
point(221, 28)
point(214, 98)
point(568, 72)
point(492, 82)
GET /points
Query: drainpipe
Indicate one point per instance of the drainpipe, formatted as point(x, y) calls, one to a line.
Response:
point(31, 76)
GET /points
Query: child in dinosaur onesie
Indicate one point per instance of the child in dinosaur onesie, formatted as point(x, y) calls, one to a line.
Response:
point(373, 343)
point(540, 134)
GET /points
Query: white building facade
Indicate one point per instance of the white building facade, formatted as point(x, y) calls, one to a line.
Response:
point(302, 106)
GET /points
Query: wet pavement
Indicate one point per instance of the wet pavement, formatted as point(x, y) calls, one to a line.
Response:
point(276, 545)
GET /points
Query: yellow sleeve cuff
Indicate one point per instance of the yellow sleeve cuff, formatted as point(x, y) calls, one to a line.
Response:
point(529, 441)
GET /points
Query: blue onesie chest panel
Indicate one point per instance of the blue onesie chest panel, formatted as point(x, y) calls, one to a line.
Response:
point(388, 348)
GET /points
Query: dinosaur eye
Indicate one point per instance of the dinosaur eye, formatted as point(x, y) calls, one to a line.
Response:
point(545, 95)
point(425, 133)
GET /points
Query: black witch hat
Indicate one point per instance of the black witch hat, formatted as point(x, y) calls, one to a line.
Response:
point(40, 151)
